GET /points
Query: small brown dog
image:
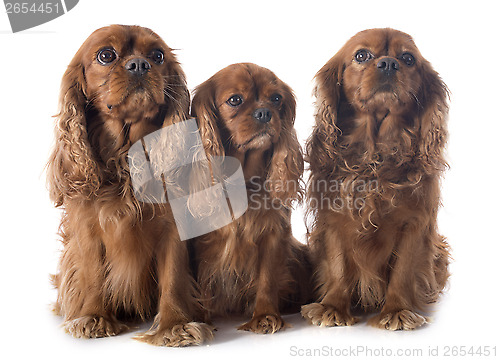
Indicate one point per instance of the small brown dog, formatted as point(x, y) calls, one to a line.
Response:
point(122, 259)
point(253, 266)
point(376, 159)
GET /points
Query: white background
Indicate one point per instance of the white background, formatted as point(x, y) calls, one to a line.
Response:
point(294, 39)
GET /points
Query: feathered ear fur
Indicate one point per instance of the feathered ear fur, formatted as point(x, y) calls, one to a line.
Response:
point(319, 147)
point(204, 174)
point(204, 110)
point(176, 94)
point(432, 118)
point(72, 168)
point(287, 164)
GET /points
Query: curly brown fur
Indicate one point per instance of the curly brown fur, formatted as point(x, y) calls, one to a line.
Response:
point(253, 266)
point(122, 258)
point(376, 159)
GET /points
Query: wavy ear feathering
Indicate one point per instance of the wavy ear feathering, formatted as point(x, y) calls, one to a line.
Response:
point(204, 109)
point(176, 93)
point(327, 92)
point(72, 167)
point(433, 109)
point(287, 165)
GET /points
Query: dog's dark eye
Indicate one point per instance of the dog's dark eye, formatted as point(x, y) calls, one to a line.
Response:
point(276, 98)
point(408, 59)
point(235, 100)
point(157, 56)
point(106, 56)
point(363, 55)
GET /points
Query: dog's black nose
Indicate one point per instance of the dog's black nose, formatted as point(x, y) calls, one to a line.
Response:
point(388, 65)
point(262, 115)
point(138, 66)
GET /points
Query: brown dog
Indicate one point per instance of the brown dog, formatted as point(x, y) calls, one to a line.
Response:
point(376, 159)
point(253, 266)
point(122, 259)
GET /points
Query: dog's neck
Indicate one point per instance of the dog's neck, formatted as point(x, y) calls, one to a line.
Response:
point(254, 162)
point(373, 134)
point(111, 137)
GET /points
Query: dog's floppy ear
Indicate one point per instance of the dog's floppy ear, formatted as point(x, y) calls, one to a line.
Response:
point(433, 109)
point(287, 164)
point(72, 168)
point(176, 93)
point(328, 87)
point(205, 111)
point(319, 146)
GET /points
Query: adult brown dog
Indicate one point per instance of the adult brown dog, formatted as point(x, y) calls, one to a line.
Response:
point(122, 258)
point(253, 266)
point(376, 158)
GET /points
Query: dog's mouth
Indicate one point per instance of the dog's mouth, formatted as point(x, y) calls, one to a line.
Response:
point(135, 105)
point(259, 140)
point(384, 95)
point(138, 95)
point(133, 91)
point(385, 87)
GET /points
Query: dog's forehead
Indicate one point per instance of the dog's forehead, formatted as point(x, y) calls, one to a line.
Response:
point(246, 79)
point(263, 77)
point(126, 39)
point(383, 42)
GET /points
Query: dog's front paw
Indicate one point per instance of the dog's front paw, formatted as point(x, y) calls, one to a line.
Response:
point(87, 327)
point(398, 320)
point(192, 333)
point(264, 324)
point(324, 315)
